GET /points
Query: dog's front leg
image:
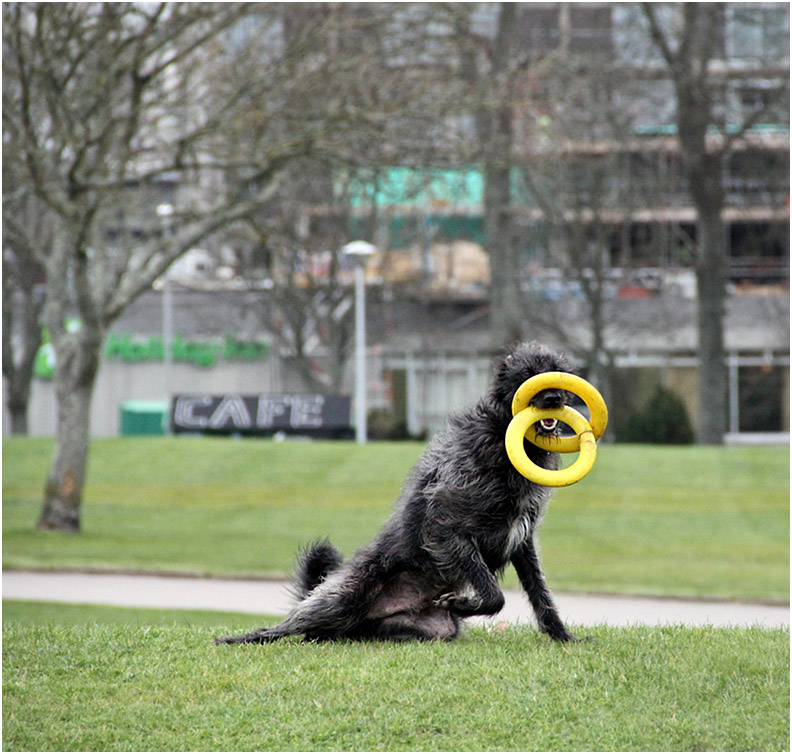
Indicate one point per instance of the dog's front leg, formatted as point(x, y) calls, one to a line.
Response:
point(526, 562)
point(476, 592)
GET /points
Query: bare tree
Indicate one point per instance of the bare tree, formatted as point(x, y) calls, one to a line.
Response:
point(308, 301)
point(488, 64)
point(26, 227)
point(371, 75)
point(688, 47)
point(146, 129)
point(88, 113)
point(132, 124)
point(574, 175)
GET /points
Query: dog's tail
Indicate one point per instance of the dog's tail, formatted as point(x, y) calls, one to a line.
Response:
point(314, 564)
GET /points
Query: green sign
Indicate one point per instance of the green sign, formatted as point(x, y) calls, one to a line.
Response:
point(132, 349)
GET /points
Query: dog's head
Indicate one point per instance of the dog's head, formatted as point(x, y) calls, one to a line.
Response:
point(523, 362)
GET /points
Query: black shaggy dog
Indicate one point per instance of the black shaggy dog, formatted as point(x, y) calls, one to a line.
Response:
point(463, 515)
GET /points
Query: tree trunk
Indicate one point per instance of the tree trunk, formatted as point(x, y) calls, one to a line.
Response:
point(76, 364)
point(688, 63)
point(505, 296)
point(17, 413)
point(496, 132)
point(21, 339)
point(704, 176)
point(713, 371)
point(19, 379)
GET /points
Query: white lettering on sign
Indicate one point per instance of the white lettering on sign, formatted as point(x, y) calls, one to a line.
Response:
point(270, 407)
point(232, 408)
point(306, 411)
point(183, 414)
point(262, 414)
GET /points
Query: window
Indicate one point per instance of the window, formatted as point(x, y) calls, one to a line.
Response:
point(761, 389)
point(590, 31)
point(632, 41)
point(758, 30)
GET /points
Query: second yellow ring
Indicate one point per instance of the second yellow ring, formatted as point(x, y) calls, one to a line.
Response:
point(515, 449)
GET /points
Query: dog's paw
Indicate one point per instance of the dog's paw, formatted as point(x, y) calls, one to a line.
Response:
point(463, 605)
point(445, 601)
point(563, 636)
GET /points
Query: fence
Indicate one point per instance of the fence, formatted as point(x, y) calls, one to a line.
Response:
point(423, 387)
point(438, 382)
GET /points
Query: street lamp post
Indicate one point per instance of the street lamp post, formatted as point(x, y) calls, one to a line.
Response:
point(165, 213)
point(359, 252)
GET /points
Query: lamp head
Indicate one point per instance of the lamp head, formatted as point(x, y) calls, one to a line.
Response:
point(359, 252)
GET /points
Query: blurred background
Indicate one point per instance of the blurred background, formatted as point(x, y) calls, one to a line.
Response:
point(179, 181)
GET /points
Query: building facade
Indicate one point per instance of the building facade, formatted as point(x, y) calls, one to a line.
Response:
point(598, 165)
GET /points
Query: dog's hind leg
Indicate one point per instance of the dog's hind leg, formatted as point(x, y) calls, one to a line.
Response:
point(476, 590)
point(332, 610)
point(403, 611)
point(319, 615)
point(430, 624)
point(526, 562)
point(259, 636)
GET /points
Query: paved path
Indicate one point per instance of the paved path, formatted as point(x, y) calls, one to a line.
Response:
point(272, 598)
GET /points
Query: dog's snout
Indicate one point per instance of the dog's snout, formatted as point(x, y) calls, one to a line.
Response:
point(549, 399)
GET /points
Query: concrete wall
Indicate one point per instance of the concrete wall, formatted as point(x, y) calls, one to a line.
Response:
point(118, 382)
point(430, 386)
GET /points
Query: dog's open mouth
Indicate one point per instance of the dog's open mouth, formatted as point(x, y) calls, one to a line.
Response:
point(548, 425)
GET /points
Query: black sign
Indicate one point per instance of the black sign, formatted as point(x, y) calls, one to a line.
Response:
point(309, 415)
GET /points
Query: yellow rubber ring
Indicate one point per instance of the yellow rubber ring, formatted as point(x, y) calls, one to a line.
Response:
point(551, 442)
point(515, 434)
point(574, 384)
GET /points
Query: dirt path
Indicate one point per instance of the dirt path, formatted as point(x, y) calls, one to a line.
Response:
point(272, 598)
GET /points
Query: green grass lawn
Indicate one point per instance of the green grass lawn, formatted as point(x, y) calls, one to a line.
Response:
point(107, 679)
point(699, 521)
point(23, 613)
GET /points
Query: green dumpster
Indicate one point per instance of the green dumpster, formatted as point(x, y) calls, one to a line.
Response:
point(143, 418)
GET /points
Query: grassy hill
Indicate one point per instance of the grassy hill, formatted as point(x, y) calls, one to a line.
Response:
point(698, 521)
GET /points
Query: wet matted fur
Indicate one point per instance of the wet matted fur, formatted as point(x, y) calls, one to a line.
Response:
point(464, 513)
